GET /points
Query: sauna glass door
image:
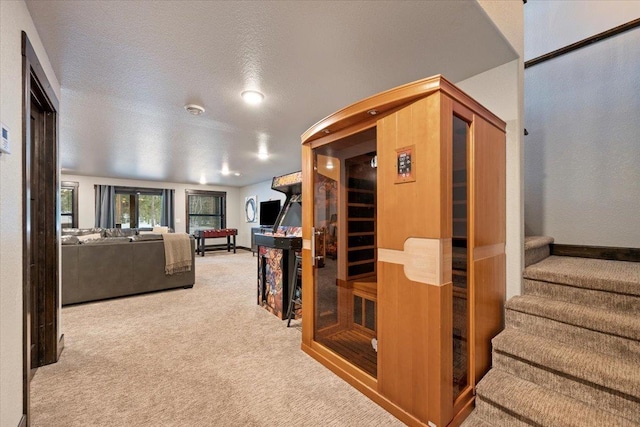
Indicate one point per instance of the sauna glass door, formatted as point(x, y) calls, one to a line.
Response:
point(343, 251)
point(325, 243)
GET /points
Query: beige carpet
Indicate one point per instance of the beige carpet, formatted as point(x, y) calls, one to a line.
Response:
point(207, 356)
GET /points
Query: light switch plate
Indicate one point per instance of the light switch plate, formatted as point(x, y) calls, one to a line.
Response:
point(5, 141)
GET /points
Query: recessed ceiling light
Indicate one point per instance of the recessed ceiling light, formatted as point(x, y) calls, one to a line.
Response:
point(263, 155)
point(203, 180)
point(372, 112)
point(252, 97)
point(194, 109)
point(237, 174)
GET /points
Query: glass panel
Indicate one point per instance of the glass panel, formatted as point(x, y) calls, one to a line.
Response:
point(66, 201)
point(149, 210)
point(205, 211)
point(204, 222)
point(344, 219)
point(326, 220)
point(66, 221)
point(123, 211)
point(357, 310)
point(370, 314)
point(460, 258)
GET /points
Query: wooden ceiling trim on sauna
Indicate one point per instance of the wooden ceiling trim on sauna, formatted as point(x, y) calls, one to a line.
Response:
point(340, 123)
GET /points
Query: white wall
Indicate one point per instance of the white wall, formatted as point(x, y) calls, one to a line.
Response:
point(264, 192)
point(501, 91)
point(582, 179)
point(14, 18)
point(550, 25)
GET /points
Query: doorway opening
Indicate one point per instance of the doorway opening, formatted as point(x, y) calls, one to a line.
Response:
point(41, 226)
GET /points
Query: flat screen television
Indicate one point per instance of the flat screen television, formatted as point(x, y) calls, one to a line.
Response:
point(269, 211)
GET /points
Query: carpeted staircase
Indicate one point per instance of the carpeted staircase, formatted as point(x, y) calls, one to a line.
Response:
point(570, 351)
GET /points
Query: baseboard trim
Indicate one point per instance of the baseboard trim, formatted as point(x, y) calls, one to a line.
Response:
point(60, 346)
point(598, 252)
point(23, 421)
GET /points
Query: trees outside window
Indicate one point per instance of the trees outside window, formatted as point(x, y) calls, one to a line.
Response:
point(205, 210)
point(69, 204)
point(138, 208)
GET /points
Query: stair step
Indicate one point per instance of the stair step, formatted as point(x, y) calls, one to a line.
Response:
point(596, 319)
point(474, 420)
point(530, 404)
point(534, 242)
point(574, 335)
point(597, 370)
point(590, 297)
point(596, 396)
point(614, 276)
point(536, 248)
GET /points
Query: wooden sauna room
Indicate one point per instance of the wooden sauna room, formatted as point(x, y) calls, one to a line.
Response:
point(404, 247)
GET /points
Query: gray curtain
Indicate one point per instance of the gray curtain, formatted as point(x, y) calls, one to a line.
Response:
point(105, 206)
point(168, 217)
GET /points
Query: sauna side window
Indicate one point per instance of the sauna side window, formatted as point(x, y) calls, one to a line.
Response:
point(460, 257)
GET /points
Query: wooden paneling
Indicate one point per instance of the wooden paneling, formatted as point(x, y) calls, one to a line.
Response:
point(414, 344)
point(490, 285)
point(353, 116)
point(488, 237)
point(489, 184)
point(411, 209)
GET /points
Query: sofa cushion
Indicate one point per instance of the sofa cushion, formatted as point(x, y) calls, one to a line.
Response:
point(85, 237)
point(146, 237)
point(119, 232)
point(80, 231)
point(70, 240)
point(107, 240)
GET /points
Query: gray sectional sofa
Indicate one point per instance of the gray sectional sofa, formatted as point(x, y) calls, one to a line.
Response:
point(116, 264)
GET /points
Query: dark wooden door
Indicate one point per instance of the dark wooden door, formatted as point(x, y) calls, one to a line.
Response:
point(35, 278)
point(41, 225)
point(41, 295)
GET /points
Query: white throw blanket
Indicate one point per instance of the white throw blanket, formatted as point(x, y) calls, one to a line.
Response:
point(177, 253)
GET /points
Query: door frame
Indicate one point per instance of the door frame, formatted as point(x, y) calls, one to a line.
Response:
point(35, 83)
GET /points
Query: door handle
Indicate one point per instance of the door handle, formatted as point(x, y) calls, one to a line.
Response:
point(314, 258)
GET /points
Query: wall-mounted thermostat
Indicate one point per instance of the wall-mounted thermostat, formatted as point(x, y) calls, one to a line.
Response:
point(5, 142)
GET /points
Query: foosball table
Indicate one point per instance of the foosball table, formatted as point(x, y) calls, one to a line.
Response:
point(201, 235)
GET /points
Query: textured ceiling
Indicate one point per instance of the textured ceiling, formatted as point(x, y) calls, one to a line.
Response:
point(127, 68)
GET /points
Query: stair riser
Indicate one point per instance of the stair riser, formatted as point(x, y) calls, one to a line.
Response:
point(535, 255)
point(596, 395)
point(496, 416)
point(596, 319)
point(593, 298)
point(574, 335)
